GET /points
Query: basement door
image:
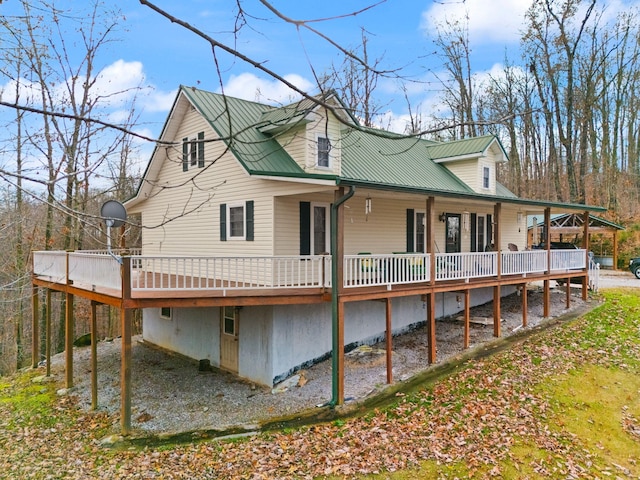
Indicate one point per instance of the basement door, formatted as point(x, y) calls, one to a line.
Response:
point(229, 339)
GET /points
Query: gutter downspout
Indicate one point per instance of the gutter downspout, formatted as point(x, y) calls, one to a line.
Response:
point(334, 293)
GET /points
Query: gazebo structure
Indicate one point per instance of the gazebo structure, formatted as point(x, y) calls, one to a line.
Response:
point(567, 227)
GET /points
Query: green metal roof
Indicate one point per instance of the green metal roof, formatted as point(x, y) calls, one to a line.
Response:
point(394, 160)
point(466, 147)
point(370, 158)
point(235, 121)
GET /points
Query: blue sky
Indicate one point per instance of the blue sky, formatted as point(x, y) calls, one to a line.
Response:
point(153, 52)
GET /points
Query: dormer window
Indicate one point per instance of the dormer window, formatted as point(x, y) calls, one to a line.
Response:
point(324, 147)
point(485, 177)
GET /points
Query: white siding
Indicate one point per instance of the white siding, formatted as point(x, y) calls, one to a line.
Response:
point(294, 141)
point(329, 129)
point(465, 170)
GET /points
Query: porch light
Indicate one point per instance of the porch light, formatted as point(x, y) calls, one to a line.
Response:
point(443, 217)
point(465, 221)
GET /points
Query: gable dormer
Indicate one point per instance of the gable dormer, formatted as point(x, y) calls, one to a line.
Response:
point(473, 160)
point(310, 133)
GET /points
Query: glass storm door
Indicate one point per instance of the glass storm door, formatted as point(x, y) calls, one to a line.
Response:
point(453, 233)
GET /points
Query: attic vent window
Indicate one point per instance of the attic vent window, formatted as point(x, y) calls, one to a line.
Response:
point(324, 146)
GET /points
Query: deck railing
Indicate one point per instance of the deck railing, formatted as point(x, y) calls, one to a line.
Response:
point(457, 266)
point(566, 260)
point(522, 263)
point(95, 269)
point(371, 270)
point(223, 273)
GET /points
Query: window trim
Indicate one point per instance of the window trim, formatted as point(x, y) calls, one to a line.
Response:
point(329, 164)
point(244, 220)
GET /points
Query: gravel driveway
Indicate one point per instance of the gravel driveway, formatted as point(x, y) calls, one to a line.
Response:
point(618, 278)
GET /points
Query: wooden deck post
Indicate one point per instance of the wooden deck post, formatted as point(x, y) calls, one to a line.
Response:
point(431, 327)
point(615, 249)
point(467, 316)
point(35, 340)
point(524, 305)
point(496, 311)
point(389, 339)
point(497, 209)
point(125, 372)
point(430, 239)
point(48, 332)
point(547, 242)
point(68, 339)
point(568, 293)
point(585, 245)
point(94, 358)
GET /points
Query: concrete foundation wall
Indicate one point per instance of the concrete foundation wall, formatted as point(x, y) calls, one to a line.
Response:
point(193, 332)
point(277, 341)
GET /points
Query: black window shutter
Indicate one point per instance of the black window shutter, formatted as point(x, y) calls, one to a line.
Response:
point(185, 154)
point(410, 229)
point(474, 237)
point(200, 149)
point(305, 228)
point(223, 222)
point(249, 220)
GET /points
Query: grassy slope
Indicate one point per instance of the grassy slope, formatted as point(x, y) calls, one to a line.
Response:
point(562, 403)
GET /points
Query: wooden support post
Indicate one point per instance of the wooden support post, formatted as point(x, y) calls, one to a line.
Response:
point(35, 326)
point(48, 332)
point(94, 358)
point(496, 311)
point(389, 338)
point(430, 239)
point(497, 209)
point(125, 372)
point(615, 249)
point(585, 244)
point(467, 316)
point(340, 352)
point(431, 327)
point(568, 293)
point(68, 340)
point(546, 299)
point(524, 305)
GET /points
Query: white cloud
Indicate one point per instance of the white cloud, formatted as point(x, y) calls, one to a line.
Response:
point(489, 20)
point(251, 87)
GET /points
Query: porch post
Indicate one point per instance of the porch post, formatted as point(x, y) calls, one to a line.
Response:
point(585, 245)
point(496, 290)
point(431, 327)
point(337, 306)
point(125, 355)
point(430, 240)
point(524, 305)
point(467, 315)
point(94, 358)
point(35, 340)
point(389, 342)
point(547, 242)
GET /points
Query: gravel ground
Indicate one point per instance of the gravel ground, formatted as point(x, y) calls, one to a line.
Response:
point(170, 395)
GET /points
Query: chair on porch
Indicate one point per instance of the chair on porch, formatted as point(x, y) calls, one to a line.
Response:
point(512, 247)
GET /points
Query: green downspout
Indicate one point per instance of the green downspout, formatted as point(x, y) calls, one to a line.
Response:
point(334, 293)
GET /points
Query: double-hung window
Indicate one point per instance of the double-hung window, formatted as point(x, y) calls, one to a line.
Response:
point(236, 221)
point(193, 152)
point(486, 171)
point(324, 147)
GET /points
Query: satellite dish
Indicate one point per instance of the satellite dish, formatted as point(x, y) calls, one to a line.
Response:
point(114, 213)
